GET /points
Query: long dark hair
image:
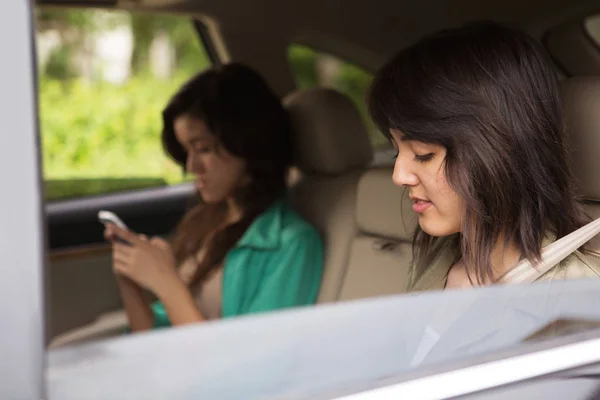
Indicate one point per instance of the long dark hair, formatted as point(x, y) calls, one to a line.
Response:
point(248, 120)
point(489, 95)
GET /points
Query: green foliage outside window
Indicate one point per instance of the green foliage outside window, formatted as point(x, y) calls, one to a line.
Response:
point(347, 78)
point(100, 137)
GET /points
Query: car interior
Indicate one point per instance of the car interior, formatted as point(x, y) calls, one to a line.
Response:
point(343, 183)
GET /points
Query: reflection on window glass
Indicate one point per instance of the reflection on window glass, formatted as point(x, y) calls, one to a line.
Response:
point(104, 78)
point(311, 68)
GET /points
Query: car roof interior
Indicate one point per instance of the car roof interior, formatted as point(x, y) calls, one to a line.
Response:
point(363, 32)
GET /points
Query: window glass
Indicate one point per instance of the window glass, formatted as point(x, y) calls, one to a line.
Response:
point(311, 68)
point(104, 78)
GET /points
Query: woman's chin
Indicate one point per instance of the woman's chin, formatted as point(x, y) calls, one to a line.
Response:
point(436, 228)
point(208, 198)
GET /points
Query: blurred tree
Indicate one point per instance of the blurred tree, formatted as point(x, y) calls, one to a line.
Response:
point(303, 63)
point(73, 27)
point(98, 137)
point(189, 54)
point(143, 28)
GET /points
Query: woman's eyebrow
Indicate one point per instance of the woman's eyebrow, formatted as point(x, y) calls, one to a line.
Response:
point(402, 138)
point(198, 139)
point(407, 139)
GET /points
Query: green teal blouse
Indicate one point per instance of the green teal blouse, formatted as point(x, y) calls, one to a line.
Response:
point(276, 264)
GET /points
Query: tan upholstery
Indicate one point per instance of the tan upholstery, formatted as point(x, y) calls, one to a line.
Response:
point(383, 208)
point(381, 251)
point(581, 98)
point(333, 153)
point(330, 204)
point(333, 138)
point(81, 287)
point(582, 110)
point(106, 325)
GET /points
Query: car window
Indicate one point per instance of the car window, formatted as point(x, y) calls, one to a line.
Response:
point(104, 78)
point(328, 352)
point(312, 68)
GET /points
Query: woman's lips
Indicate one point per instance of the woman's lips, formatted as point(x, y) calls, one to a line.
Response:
point(420, 206)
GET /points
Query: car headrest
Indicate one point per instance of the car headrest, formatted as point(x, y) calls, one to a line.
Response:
point(330, 136)
point(384, 209)
point(581, 98)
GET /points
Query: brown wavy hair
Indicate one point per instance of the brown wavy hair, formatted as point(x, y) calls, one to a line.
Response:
point(489, 95)
point(248, 120)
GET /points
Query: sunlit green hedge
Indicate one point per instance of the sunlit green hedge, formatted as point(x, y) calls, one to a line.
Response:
point(99, 137)
point(101, 130)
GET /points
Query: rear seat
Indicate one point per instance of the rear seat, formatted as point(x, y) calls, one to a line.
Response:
point(358, 209)
point(332, 152)
point(581, 98)
point(366, 246)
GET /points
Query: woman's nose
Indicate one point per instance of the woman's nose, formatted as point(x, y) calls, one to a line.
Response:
point(402, 175)
point(193, 164)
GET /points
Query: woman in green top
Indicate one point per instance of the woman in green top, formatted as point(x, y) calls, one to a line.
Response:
point(242, 249)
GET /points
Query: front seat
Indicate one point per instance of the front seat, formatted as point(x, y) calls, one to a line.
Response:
point(356, 208)
point(581, 98)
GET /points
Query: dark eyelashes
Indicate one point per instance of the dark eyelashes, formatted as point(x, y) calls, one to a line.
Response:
point(424, 158)
point(419, 158)
point(204, 149)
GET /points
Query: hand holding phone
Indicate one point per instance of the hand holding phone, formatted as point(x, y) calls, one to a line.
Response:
point(108, 217)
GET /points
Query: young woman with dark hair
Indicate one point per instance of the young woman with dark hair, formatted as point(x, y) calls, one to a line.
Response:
point(242, 249)
point(475, 114)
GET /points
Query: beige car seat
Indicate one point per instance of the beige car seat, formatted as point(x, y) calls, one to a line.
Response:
point(357, 210)
point(381, 250)
point(581, 98)
point(332, 152)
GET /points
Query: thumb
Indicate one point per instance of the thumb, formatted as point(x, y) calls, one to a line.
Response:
point(160, 243)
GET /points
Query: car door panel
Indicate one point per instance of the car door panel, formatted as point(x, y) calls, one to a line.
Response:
point(81, 283)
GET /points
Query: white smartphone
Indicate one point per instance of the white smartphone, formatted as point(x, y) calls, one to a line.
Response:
point(108, 217)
